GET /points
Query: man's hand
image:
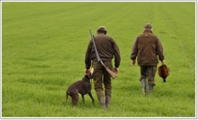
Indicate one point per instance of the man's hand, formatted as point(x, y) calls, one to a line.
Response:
point(133, 62)
point(87, 72)
point(163, 62)
point(116, 70)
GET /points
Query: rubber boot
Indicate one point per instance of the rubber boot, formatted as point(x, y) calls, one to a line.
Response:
point(143, 82)
point(107, 97)
point(150, 89)
point(101, 98)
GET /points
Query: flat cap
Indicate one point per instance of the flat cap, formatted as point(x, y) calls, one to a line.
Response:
point(102, 28)
point(148, 25)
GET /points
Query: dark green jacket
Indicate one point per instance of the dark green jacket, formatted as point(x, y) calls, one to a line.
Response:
point(146, 48)
point(107, 49)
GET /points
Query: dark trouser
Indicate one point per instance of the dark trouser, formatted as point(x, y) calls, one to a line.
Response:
point(101, 76)
point(148, 72)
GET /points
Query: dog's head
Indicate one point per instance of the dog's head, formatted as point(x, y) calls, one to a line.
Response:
point(88, 76)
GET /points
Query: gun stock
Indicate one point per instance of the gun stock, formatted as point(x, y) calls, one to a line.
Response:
point(111, 73)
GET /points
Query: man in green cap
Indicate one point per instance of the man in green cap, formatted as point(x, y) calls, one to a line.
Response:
point(146, 48)
point(107, 50)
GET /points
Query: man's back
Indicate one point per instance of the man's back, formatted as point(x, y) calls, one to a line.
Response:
point(104, 46)
point(147, 49)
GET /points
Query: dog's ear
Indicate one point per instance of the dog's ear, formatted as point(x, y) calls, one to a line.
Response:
point(86, 76)
point(89, 76)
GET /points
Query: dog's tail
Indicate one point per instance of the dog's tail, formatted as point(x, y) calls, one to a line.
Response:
point(67, 92)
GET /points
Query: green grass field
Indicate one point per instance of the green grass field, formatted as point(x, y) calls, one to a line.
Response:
point(43, 50)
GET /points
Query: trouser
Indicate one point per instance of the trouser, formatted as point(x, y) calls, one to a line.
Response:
point(147, 72)
point(101, 76)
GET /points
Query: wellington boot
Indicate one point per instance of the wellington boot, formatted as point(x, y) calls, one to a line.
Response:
point(107, 97)
point(150, 89)
point(101, 98)
point(143, 82)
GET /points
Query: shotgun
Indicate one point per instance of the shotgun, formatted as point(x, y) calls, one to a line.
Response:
point(112, 74)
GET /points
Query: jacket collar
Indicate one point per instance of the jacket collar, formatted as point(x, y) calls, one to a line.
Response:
point(148, 31)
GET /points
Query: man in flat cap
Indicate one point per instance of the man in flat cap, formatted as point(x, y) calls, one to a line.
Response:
point(107, 50)
point(146, 48)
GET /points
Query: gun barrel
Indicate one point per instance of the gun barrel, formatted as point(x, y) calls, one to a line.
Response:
point(95, 49)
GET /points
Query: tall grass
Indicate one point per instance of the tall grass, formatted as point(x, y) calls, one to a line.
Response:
point(44, 47)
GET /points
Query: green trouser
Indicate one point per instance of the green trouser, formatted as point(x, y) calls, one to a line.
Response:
point(101, 76)
point(147, 72)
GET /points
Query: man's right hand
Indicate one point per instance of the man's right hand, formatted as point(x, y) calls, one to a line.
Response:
point(133, 62)
point(87, 72)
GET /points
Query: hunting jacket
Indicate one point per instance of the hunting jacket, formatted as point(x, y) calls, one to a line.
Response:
point(146, 48)
point(107, 49)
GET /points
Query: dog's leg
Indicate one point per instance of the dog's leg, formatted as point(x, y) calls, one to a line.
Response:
point(83, 98)
point(90, 95)
point(75, 98)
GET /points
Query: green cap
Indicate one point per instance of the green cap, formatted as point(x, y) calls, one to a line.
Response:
point(148, 25)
